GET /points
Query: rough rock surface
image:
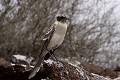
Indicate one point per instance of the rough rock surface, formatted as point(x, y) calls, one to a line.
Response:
point(51, 70)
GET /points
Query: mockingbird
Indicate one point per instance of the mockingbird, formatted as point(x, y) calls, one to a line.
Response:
point(52, 40)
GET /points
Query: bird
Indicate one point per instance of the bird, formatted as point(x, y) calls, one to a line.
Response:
point(51, 41)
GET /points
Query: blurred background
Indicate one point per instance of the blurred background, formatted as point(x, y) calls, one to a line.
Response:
point(93, 35)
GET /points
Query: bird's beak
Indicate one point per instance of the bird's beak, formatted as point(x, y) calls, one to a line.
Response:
point(68, 19)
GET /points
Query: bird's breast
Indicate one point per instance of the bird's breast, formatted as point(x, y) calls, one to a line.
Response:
point(56, 41)
point(58, 36)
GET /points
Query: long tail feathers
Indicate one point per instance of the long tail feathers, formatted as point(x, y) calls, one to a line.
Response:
point(36, 68)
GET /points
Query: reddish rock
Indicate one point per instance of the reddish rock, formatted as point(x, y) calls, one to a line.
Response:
point(100, 71)
point(52, 70)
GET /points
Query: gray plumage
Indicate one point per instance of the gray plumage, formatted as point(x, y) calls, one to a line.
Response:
point(52, 40)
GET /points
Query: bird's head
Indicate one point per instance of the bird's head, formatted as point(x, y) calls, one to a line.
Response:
point(62, 18)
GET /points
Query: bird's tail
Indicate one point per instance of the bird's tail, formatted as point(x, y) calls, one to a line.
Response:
point(36, 68)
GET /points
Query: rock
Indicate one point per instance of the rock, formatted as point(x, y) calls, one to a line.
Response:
point(21, 59)
point(100, 71)
point(51, 70)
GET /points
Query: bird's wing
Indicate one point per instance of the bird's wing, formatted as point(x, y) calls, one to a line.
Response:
point(46, 39)
point(49, 35)
point(43, 52)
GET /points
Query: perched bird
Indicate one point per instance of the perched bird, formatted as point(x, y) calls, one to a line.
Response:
point(52, 40)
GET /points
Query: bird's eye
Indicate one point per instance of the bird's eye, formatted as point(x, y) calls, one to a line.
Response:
point(63, 17)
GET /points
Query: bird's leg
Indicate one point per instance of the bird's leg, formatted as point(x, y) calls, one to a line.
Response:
point(48, 55)
point(58, 61)
point(53, 56)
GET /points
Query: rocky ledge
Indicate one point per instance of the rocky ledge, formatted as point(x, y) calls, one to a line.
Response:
point(52, 70)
